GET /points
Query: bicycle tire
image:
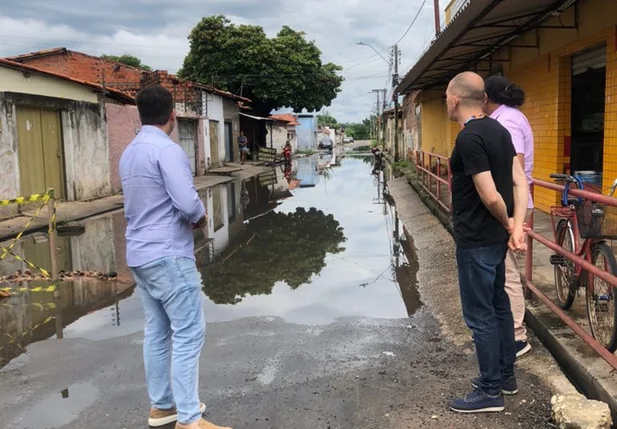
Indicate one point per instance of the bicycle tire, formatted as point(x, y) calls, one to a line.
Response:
point(566, 284)
point(604, 329)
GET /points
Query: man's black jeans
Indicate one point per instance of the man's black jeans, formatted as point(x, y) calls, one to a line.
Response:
point(486, 309)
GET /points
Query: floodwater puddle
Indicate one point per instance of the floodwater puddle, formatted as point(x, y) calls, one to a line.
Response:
point(58, 409)
point(309, 245)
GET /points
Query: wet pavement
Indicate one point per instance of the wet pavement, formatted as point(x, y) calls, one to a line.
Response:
point(314, 320)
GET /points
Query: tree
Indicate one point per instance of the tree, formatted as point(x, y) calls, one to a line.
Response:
point(359, 131)
point(327, 120)
point(129, 60)
point(284, 71)
point(288, 247)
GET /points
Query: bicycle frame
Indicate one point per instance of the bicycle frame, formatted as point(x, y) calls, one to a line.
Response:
point(567, 211)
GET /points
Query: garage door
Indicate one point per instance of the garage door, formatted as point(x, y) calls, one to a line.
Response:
point(41, 164)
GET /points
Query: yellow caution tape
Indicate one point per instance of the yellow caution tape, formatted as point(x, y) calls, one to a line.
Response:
point(51, 288)
point(30, 264)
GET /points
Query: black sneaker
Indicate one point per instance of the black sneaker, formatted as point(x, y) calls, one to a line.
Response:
point(522, 347)
point(508, 387)
point(478, 401)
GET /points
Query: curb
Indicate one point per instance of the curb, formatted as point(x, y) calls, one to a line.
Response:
point(569, 411)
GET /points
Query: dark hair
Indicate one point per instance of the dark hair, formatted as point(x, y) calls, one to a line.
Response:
point(501, 91)
point(155, 105)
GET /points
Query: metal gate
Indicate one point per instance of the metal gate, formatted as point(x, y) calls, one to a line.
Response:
point(187, 133)
point(41, 163)
point(594, 58)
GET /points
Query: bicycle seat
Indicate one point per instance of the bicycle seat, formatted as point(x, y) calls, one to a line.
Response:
point(572, 201)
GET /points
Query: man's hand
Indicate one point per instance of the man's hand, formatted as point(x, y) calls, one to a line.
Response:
point(517, 242)
point(201, 223)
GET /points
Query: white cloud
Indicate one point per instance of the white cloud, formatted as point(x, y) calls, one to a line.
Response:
point(157, 33)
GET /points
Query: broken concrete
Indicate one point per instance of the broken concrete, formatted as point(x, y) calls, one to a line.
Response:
point(578, 412)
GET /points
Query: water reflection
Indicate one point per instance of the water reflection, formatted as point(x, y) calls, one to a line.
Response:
point(275, 247)
point(307, 255)
point(58, 409)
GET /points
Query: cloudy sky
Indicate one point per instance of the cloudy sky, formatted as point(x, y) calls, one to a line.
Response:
point(157, 30)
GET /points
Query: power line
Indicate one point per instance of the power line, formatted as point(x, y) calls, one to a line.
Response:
point(412, 23)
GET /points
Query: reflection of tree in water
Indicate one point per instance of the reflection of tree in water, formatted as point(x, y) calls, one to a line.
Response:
point(288, 247)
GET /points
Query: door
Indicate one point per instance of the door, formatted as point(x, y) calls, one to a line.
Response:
point(229, 142)
point(588, 109)
point(214, 144)
point(187, 133)
point(41, 163)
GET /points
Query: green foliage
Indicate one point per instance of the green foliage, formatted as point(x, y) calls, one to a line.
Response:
point(129, 60)
point(284, 71)
point(288, 247)
point(327, 120)
point(359, 131)
point(403, 168)
point(306, 152)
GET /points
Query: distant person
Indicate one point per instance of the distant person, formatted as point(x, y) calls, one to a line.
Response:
point(489, 199)
point(243, 143)
point(287, 153)
point(504, 101)
point(162, 208)
point(378, 160)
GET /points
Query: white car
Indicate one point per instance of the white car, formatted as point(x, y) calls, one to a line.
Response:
point(348, 140)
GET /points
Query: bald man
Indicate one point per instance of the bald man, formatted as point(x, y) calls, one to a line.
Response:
point(489, 201)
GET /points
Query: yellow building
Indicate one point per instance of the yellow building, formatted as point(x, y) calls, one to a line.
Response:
point(563, 53)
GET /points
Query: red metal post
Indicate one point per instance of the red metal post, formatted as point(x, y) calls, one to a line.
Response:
point(610, 358)
point(438, 182)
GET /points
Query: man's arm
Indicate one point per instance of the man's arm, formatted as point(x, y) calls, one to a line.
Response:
point(521, 202)
point(178, 178)
point(492, 200)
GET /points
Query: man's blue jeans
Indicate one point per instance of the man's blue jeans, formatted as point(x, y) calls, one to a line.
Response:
point(174, 334)
point(486, 309)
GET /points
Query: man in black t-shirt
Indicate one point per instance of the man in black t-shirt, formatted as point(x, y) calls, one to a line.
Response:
point(489, 201)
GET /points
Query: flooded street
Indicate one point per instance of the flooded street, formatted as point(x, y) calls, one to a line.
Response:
point(322, 252)
point(310, 296)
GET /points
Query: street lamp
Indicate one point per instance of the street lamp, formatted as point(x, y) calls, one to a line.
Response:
point(376, 51)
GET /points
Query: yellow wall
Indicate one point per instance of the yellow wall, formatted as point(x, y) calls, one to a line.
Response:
point(545, 75)
point(14, 81)
point(436, 135)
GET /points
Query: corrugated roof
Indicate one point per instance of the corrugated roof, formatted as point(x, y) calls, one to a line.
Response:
point(286, 117)
point(112, 93)
point(56, 51)
point(479, 29)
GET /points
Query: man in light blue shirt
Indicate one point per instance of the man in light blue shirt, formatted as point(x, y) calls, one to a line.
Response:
point(162, 208)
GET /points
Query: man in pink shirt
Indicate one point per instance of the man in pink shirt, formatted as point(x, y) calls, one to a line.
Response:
point(504, 102)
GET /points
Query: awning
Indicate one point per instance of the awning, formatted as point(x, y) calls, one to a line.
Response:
point(257, 118)
point(476, 32)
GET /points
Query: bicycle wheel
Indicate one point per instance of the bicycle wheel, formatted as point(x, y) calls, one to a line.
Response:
point(565, 275)
point(601, 307)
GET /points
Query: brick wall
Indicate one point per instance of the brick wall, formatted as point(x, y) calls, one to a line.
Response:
point(547, 83)
point(122, 126)
point(89, 68)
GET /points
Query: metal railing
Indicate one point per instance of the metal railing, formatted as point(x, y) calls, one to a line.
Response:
point(431, 169)
point(532, 235)
point(430, 177)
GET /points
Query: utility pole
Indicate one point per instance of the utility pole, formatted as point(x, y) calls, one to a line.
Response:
point(377, 91)
point(395, 96)
point(437, 21)
point(383, 116)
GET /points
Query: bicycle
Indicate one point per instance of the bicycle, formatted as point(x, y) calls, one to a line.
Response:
point(595, 223)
